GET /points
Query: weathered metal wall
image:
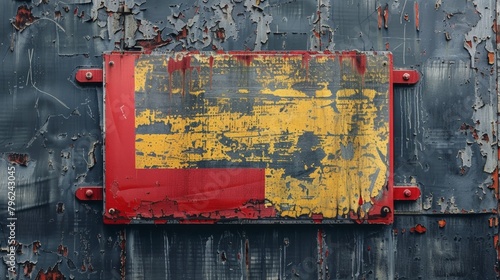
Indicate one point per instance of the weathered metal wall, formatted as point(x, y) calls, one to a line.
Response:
point(445, 140)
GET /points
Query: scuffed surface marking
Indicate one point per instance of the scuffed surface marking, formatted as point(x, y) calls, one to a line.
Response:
point(324, 147)
point(481, 31)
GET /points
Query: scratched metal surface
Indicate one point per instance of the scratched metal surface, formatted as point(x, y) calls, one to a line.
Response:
point(445, 140)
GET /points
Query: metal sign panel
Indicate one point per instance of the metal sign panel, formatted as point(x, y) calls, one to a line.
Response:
point(248, 136)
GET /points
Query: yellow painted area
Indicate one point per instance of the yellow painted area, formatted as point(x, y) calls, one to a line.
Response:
point(352, 141)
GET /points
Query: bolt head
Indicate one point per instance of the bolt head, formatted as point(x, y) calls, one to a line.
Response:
point(406, 76)
point(89, 193)
point(88, 75)
point(407, 192)
point(111, 211)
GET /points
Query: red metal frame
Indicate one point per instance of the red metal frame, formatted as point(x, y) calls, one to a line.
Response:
point(185, 194)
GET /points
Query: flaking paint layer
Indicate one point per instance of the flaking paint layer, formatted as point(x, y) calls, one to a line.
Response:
point(275, 112)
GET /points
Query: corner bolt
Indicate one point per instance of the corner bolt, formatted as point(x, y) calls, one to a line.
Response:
point(406, 76)
point(88, 75)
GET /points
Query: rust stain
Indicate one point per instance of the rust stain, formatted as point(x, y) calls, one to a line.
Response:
point(182, 34)
point(51, 274)
point(380, 18)
point(220, 34)
point(386, 16)
point(491, 58)
point(62, 250)
point(20, 159)
point(417, 16)
point(406, 17)
point(418, 229)
point(493, 222)
point(442, 223)
point(468, 43)
point(387, 46)
point(36, 246)
point(28, 268)
point(157, 42)
point(23, 18)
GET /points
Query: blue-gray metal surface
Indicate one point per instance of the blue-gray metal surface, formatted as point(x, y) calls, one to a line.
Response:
point(445, 140)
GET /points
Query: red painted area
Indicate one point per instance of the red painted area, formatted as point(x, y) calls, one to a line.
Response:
point(405, 77)
point(406, 192)
point(91, 75)
point(51, 274)
point(417, 16)
point(184, 194)
point(418, 229)
point(89, 193)
point(23, 18)
point(182, 64)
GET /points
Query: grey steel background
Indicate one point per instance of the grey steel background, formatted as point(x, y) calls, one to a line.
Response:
point(445, 139)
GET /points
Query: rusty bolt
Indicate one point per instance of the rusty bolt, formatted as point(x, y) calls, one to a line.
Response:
point(406, 76)
point(111, 211)
point(407, 192)
point(385, 210)
point(88, 75)
point(89, 193)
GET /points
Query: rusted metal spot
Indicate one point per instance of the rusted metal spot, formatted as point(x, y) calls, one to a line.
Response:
point(62, 250)
point(491, 58)
point(51, 274)
point(28, 268)
point(442, 223)
point(20, 159)
point(405, 77)
point(23, 18)
point(386, 16)
point(417, 16)
point(493, 222)
point(418, 229)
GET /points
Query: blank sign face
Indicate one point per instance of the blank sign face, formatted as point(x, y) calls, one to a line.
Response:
point(248, 137)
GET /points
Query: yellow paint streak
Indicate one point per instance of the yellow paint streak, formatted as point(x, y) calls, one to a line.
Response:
point(350, 139)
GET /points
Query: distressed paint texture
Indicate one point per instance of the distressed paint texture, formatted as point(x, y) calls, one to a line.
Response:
point(54, 123)
point(318, 124)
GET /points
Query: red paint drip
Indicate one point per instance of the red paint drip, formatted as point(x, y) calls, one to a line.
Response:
point(380, 18)
point(243, 57)
point(417, 16)
point(360, 201)
point(211, 64)
point(360, 63)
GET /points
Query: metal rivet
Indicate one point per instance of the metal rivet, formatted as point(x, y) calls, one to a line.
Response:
point(88, 75)
point(89, 193)
point(386, 209)
point(406, 76)
point(111, 63)
point(407, 192)
point(111, 211)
